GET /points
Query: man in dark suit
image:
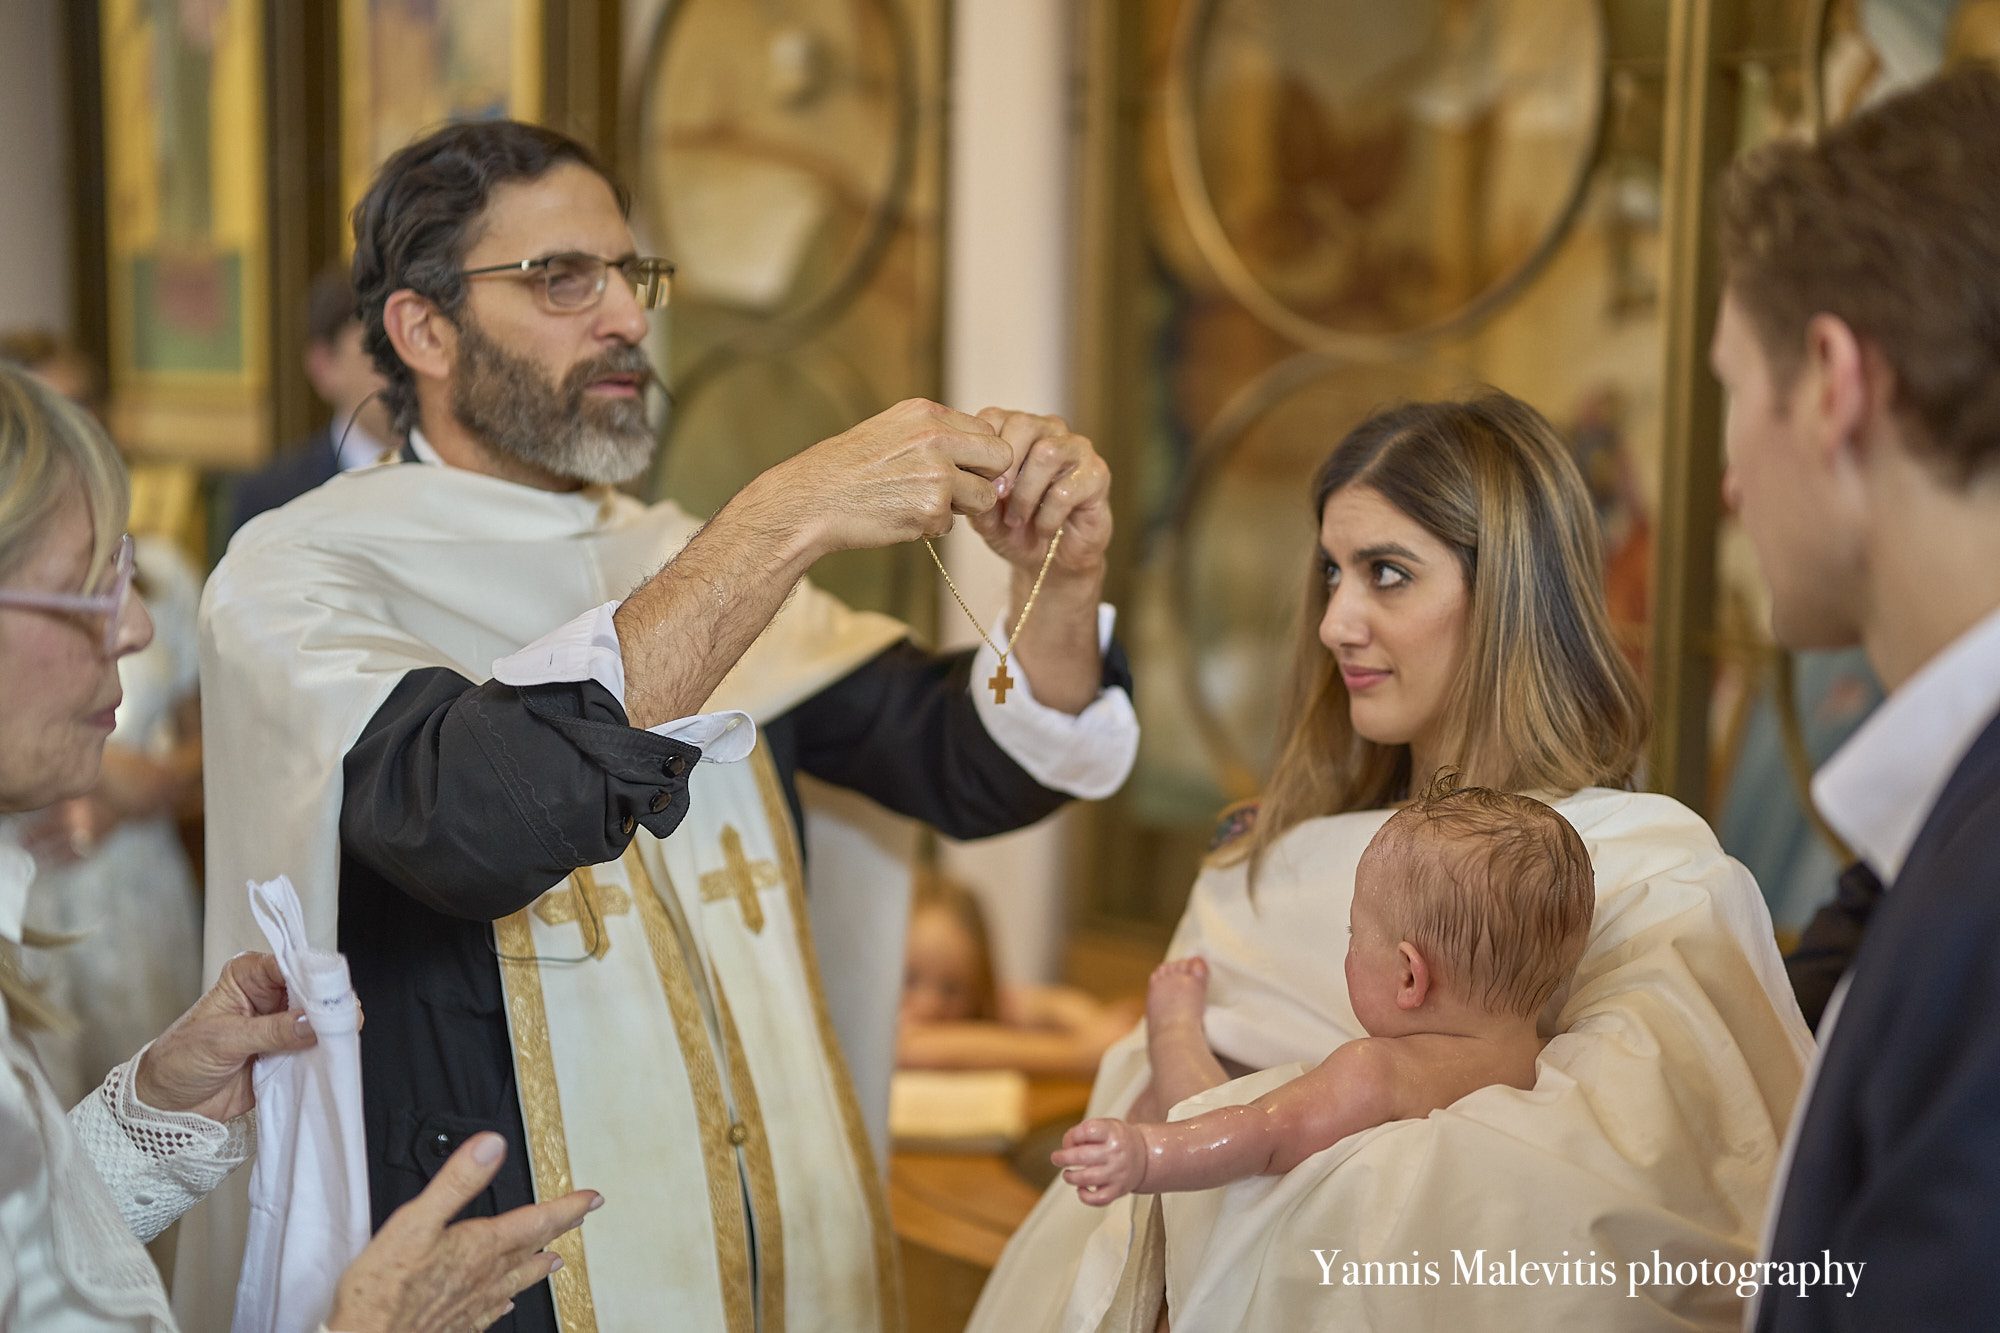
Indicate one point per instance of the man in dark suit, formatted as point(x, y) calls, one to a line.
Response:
point(1860, 342)
point(345, 378)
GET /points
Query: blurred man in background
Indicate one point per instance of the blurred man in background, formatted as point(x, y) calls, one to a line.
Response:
point(345, 378)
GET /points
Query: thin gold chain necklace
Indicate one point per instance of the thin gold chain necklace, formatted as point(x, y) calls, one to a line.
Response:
point(1000, 680)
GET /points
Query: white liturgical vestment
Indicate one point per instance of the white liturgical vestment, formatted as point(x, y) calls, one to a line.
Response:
point(671, 1040)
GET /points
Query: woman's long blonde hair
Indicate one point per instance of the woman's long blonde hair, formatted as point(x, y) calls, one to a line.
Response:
point(51, 452)
point(1544, 700)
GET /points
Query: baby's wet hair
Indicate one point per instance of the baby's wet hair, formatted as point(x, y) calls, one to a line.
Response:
point(1497, 892)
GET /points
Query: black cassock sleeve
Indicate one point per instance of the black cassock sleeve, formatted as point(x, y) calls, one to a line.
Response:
point(463, 803)
point(475, 799)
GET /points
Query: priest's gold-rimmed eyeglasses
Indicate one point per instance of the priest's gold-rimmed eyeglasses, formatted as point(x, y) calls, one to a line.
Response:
point(577, 281)
point(107, 601)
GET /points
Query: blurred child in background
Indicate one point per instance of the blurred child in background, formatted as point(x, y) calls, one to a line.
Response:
point(955, 1015)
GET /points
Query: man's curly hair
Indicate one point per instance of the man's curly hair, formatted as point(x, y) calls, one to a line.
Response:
point(421, 215)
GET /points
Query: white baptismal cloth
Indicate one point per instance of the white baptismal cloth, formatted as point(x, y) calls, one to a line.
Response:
point(309, 1186)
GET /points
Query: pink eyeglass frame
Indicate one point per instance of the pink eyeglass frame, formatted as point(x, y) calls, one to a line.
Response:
point(108, 604)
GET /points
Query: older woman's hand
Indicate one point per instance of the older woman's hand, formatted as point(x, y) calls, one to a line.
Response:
point(425, 1274)
point(202, 1063)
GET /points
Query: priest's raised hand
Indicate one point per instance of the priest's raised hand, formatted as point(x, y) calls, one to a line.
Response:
point(897, 476)
point(1057, 484)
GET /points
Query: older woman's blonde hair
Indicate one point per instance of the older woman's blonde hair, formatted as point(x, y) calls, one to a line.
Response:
point(1544, 701)
point(52, 453)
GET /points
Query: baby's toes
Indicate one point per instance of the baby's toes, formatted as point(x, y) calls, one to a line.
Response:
point(1178, 991)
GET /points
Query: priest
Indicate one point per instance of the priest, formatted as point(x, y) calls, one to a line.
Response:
point(527, 747)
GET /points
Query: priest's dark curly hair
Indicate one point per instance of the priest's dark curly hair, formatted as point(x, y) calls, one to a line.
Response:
point(418, 219)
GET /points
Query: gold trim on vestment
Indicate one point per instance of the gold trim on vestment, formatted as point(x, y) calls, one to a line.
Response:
point(541, 1112)
point(725, 1192)
point(762, 1174)
point(778, 813)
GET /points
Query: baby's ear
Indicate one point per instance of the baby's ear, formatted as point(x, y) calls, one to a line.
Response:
point(1415, 985)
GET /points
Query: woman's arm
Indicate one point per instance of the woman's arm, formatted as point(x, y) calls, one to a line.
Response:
point(166, 1126)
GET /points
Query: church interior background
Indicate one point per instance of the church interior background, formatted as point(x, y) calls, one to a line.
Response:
point(1214, 233)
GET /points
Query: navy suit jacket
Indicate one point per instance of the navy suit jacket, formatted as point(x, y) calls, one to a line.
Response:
point(1898, 1157)
point(285, 478)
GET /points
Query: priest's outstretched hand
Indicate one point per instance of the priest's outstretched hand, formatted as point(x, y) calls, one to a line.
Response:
point(900, 475)
point(423, 1273)
point(1057, 483)
point(897, 476)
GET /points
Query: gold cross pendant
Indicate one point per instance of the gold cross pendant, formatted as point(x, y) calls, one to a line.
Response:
point(1001, 683)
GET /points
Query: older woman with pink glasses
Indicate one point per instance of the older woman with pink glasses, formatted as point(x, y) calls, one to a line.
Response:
point(80, 1191)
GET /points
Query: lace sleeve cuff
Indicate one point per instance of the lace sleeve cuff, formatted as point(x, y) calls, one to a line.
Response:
point(157, 1164)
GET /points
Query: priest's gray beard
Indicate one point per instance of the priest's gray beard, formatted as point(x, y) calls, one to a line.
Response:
point(506, 401)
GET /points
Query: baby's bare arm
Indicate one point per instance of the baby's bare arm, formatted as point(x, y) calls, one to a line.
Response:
point(1345, 1094)
point(1361, 1085)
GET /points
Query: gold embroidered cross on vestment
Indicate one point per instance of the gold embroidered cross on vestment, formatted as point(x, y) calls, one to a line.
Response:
point(739, 878)
point(587, 903)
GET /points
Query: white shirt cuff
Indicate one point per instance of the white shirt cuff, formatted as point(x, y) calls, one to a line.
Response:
point(1087, 755)
point(587, 649)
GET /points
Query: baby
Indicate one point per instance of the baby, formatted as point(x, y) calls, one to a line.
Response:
point(1471, 909)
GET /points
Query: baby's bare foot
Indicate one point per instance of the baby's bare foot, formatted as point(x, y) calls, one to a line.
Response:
point(1177, 994)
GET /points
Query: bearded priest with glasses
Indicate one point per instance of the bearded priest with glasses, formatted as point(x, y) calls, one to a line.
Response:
point(527, 749)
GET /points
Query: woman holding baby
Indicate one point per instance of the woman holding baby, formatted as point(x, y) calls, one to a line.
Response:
point(1456, 620)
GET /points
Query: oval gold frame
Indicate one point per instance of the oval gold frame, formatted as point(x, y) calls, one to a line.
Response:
point(1191, 190)
point(785, 328)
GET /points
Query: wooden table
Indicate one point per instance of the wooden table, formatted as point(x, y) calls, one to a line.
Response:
point(954, 1212)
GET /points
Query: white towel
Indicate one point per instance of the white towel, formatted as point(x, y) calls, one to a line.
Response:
point(309, 1185)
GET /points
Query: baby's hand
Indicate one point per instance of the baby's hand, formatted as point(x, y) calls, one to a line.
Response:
point(1104, 1159)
